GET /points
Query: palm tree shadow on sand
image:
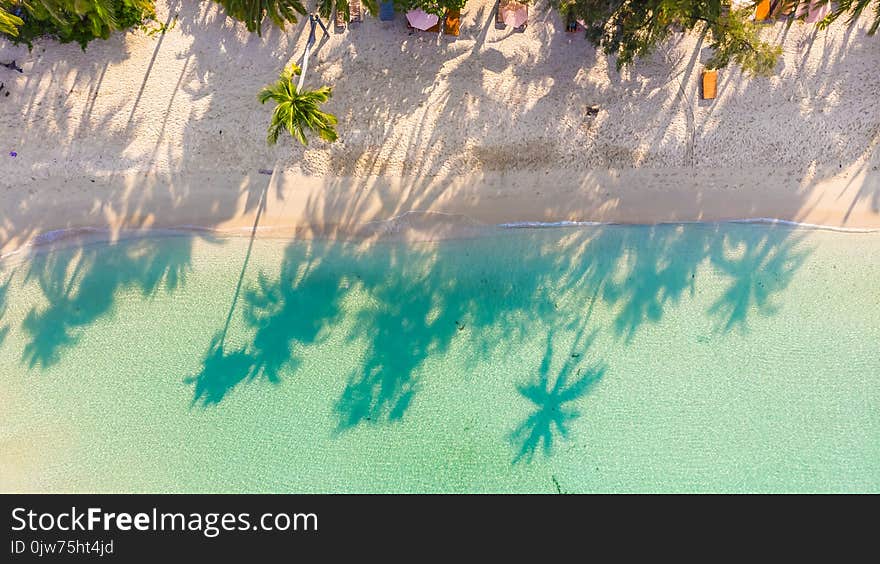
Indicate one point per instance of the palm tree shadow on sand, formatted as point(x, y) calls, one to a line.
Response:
point(554, 400)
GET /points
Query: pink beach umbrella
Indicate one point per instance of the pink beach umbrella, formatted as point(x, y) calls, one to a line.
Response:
point(420, 19)
point(818, 11)
point(514, 14)
point(813, 10)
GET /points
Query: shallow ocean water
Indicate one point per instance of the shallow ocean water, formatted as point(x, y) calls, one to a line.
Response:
point(696, 358)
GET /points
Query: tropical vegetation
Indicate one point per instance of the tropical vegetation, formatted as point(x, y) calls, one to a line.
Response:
point(436, 7)
point(9, 22)
point(630, 29)
point(854, 9)
point(298, 111)
point(78, 21)
point(254, 12)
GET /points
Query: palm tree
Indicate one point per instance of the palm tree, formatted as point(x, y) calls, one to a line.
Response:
point(9, 22)
point(855, 8)
point(298, 110)
point(253, 12)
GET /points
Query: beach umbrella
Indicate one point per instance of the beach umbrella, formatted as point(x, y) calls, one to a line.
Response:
point(514, 14)
point(420, 19)
point(817, 11)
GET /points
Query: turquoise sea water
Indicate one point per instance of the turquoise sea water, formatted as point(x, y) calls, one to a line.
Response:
point(592, 359)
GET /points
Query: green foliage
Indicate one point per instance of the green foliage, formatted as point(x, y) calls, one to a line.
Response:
point(735, 38)
point(79, 21)
point(157, 28)
point(437, 7)
point(298, 112)
point(253, 12)
point(9, 22)
point(633, 28)
point(854, 8)
point(372, 6)
point(325, 8)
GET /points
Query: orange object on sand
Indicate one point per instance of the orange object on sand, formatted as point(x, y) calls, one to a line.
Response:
point(710, 84)
point(452, 22)
point(762, 10)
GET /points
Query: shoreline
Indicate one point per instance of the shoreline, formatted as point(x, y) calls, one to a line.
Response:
point(290, 205)
point(376, 231)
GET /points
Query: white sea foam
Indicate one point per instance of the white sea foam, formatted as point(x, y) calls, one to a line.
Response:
point(391, 225)
point(544, 224)
point(755, 220)
point(774, 221)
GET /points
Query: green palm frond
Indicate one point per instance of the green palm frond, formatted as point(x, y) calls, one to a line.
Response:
point(9, 22)
point(73, 20)
point(854, 8)
point(253, 12)
point(298, 112)
point(372, 6)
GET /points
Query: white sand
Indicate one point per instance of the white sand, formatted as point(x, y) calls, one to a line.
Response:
point(162, 131)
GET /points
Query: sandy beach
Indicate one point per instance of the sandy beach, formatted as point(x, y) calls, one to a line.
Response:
point(490, 127)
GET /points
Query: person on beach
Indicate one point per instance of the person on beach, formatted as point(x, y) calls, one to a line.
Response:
point(12, 66)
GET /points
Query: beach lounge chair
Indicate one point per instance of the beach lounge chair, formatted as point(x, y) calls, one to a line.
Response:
point(340, 19)
point(355, 12)
point(571, 24)
point(710, 84)
point(386, 11)
point(762, 11)
point(452, 22)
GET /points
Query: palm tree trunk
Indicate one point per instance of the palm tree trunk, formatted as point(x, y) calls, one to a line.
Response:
point(313, 20)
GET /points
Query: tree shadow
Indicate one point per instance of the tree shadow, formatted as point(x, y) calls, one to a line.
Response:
point(80, 284)
point(654, 270)
point(4, 298)
point(221, 371)
point(638, 270)
point(760, 264)
point(291, 310)
point(416, 299)
point(554, 398)
point(417, 313)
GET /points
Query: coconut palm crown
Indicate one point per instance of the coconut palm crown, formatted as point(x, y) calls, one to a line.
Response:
point(298, 111)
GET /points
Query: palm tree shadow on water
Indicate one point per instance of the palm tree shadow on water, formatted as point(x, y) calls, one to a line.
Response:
point(759, 265)
point(415, 304)
point(222, 370)
point(554, 399)
point(418, 312)
point(294, 308)
point(81, 284)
